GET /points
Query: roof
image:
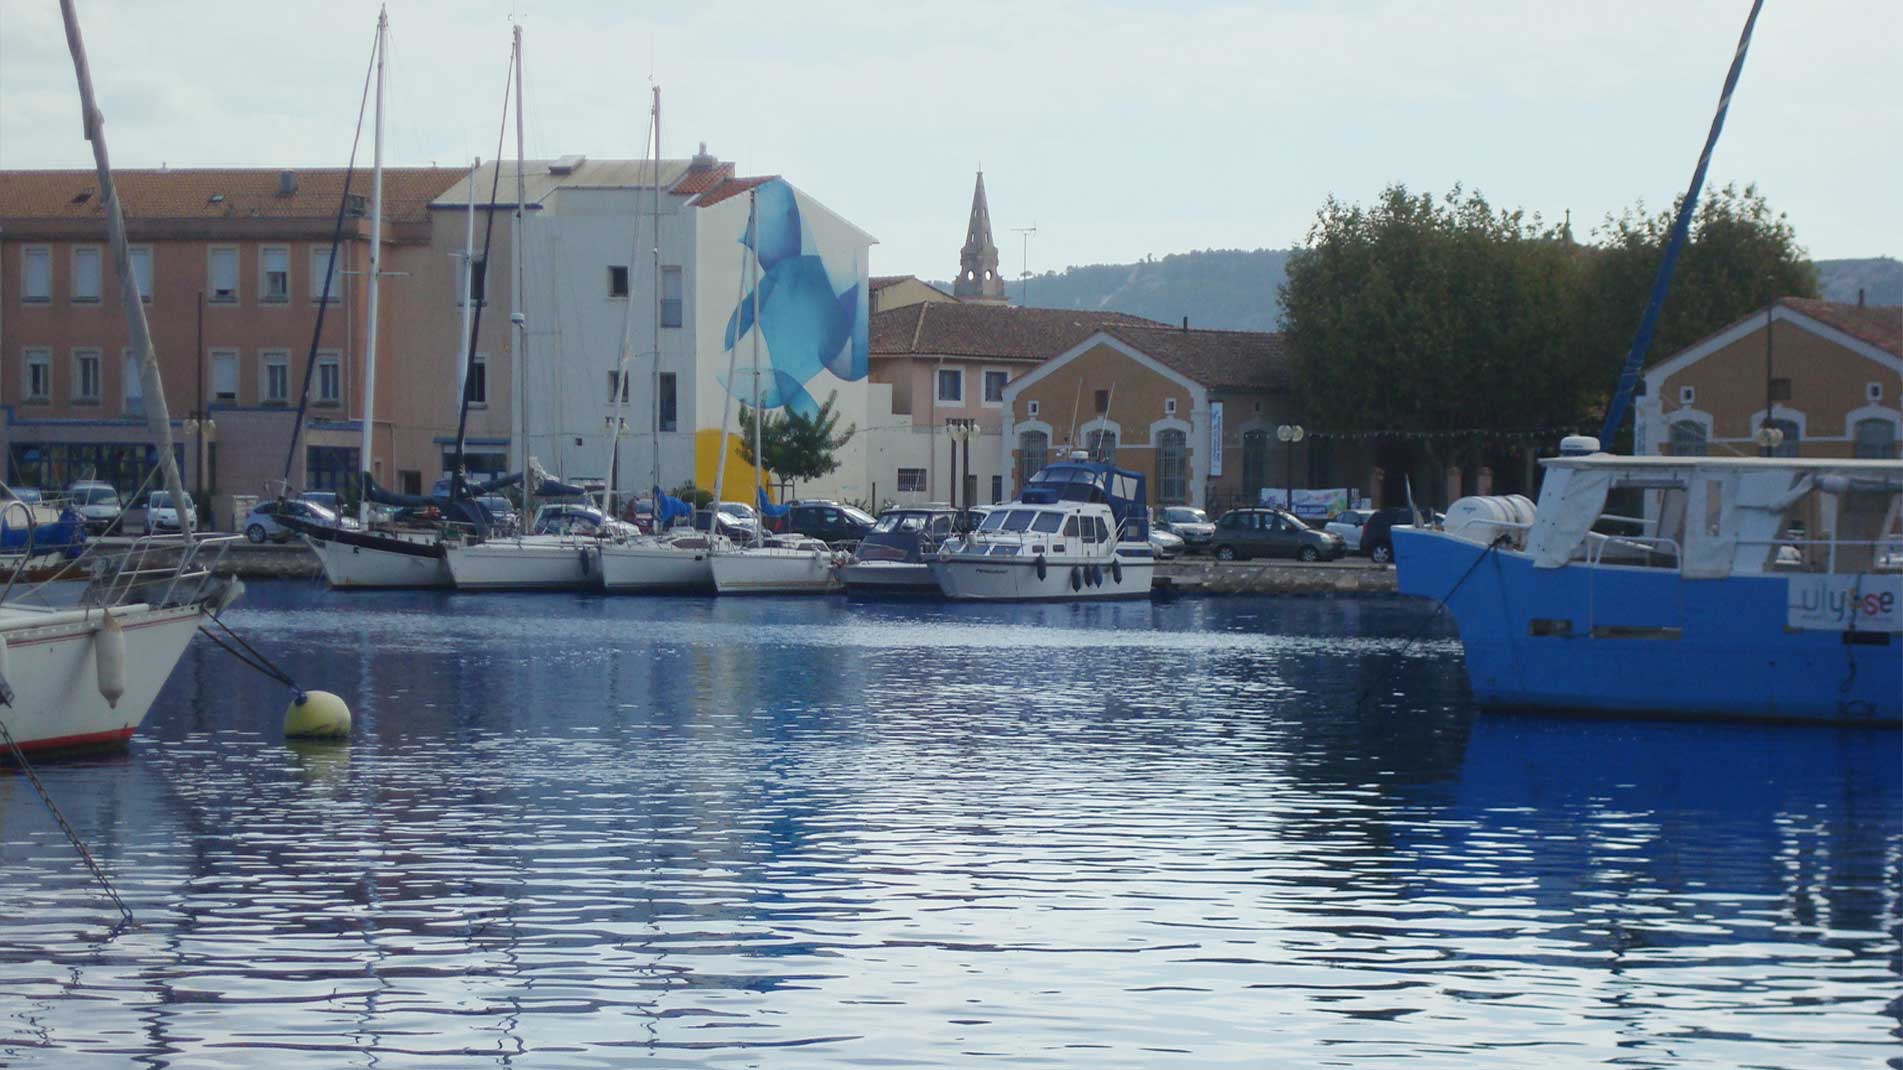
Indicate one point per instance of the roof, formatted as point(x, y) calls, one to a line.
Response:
point(218, 193)
point(880, 282)
point(1879, 325)
point(702, 179)
point(731, 187)
point(1235, 360)
point(995, 331)
point(543, 177)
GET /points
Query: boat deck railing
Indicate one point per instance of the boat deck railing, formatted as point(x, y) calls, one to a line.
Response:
point(193, 566)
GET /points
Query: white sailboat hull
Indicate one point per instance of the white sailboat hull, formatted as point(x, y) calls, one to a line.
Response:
point(417, 565)
point(773, 570)
point(526, 564)
point(1009, 579)
point(655, 567)
point(52, 664)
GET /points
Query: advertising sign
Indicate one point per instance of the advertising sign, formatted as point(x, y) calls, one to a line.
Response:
point(1310, 504)
point(1215, 439)
point(1860, 602)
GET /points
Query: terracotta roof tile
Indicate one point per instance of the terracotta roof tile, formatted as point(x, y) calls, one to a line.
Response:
point(998, 331)
point(731, 187)
point(880, 282)
point(702, 180)
point(1237, 360)
point(1879, 325)
point(222, 193)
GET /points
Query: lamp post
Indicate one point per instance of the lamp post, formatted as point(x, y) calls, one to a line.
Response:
point(959, 429)
point(1290, 434)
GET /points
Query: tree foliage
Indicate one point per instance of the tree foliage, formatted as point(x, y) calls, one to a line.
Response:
point(1420, 313)
point(797, 447)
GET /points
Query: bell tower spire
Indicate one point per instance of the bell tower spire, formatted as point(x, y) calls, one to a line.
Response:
point(978, 280)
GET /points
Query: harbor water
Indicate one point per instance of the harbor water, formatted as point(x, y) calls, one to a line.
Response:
point(573, 830)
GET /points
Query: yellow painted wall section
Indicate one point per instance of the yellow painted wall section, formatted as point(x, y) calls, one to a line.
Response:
point(741, 476)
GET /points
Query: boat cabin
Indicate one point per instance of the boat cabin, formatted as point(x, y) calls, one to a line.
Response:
point(906, 534)
point(1122, 491)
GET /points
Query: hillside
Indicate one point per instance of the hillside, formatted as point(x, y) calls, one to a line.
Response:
point(1235, 289)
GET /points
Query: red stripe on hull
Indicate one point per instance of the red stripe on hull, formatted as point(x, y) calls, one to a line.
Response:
point(116, 737)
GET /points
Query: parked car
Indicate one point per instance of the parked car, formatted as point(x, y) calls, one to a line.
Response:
point(1189, 524)
point(1348, 525)
point(828, 521)
point(261, 523)
point(325, 498)
point(161, 516)
point(739, 517)
point(730, 526)
point(97, 504)
point(1260, 532)
point(1376, 539)
point(1164, 543)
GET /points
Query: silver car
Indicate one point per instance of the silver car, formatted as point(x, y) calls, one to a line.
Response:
point(1348, 524)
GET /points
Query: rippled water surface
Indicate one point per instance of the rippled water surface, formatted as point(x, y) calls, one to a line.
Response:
point(582, 831)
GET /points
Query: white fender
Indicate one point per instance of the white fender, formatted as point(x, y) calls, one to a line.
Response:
point(109, 650)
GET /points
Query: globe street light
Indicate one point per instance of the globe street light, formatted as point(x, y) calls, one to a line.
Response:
point(1290, 434)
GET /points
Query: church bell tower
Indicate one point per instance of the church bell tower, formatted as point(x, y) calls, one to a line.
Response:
point(978, 280)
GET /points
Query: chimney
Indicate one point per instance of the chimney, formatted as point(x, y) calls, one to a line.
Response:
point(702, 161)
point(287, 183)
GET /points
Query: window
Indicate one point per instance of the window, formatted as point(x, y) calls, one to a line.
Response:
point(479, 382)
point(994, 386)
point(911, 481)
point(224, 375)
point(669, 404)
point(86, 273)
point(617, 280)
point(36, 283)
point(332, 468)
point(276, 379)
point(321, 275)
point(1030, 408)
point(1688, 439)
point(330, 379)
point(1255, 462)
point(274, 272)
point(1876, 438)
point(671, 297)
point(1103, 446)
point(1103, 401)
point(997, 489)
point(1779, 389)
point(1687, 395)
point(1787, 447)
point(1873, 392)
point(614, 377)
point(86, 375)
point(951, 386)
point(39, 375)
point(142, 270)
point(1032, 448)
point(409, 481)
point(478, 275)
point(131, 385)
point(1169, 406)
point(1172, 467)
point(224, 275)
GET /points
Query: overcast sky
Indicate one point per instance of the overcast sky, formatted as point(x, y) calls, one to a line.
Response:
point(1122, 128)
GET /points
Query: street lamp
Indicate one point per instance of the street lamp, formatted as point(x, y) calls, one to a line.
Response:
point(960, 429)
point(1290, 434)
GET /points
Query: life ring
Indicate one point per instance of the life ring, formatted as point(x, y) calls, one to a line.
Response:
point(1116, 571)
point(1076, 578)
point(1040, 566)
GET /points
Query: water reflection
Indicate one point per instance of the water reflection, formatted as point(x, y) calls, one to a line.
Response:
point(572, 830)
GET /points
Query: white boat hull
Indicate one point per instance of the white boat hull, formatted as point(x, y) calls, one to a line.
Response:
point(655, 567)
point(527, 564)
point(994, 579)
point(772, 570)
point(347, 565)
point(889, 577)
point(52, 664)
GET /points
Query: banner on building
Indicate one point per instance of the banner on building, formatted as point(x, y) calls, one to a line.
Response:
point(1215, 439)
point(1310, 504)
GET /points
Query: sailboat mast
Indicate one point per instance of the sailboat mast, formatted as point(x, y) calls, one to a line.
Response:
point(759, 418)
point(618, 381)
point(726, 403)
point(158, 419)
point(376, 269)
point(656, 386)
point(515, 301)
point(469, 274)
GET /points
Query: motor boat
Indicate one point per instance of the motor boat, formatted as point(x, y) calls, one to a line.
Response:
point(1079, 530)
point(894, 557)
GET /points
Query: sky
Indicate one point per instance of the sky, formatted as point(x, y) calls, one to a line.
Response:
point(1119, 128)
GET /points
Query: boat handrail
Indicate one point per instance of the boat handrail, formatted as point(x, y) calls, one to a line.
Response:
point(188, 566)
point(1893, 544)
point(1649, 543)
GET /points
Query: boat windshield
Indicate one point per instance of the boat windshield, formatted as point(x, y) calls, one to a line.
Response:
point(993, 521)
point(1019, 519)
point(1048, 523)
point(891, 522)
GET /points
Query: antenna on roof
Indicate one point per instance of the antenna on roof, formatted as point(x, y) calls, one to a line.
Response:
point(1024, 273)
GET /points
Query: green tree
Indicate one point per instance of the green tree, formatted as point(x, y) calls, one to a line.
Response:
point(1424, 313)
point(1738, 257)
point(796, 447)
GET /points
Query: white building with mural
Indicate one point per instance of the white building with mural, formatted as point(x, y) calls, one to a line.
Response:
point(589, 241)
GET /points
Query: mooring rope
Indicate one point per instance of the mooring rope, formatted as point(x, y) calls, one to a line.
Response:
point(1421, 633)
point(65, 826)
point(249, 656)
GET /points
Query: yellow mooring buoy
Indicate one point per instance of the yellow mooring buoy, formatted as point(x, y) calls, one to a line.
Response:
point(317, 715)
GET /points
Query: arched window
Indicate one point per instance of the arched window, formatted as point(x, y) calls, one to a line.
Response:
point(1688, 439)
point(1172, 468)
point(1255, 463)
point(1876, 438)
point(1033, 446)
point(1103, 446)
point(1788, 447)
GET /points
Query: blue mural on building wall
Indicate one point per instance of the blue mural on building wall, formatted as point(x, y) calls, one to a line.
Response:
point(806, 326)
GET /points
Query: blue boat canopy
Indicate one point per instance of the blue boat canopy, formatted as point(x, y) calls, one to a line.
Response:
point(1124, 491)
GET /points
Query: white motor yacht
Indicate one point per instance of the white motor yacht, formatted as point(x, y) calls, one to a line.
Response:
point(1078, 531)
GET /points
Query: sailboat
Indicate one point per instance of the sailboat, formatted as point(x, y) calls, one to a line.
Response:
point(794, 564)
point(524, 561)
point(85, 676)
